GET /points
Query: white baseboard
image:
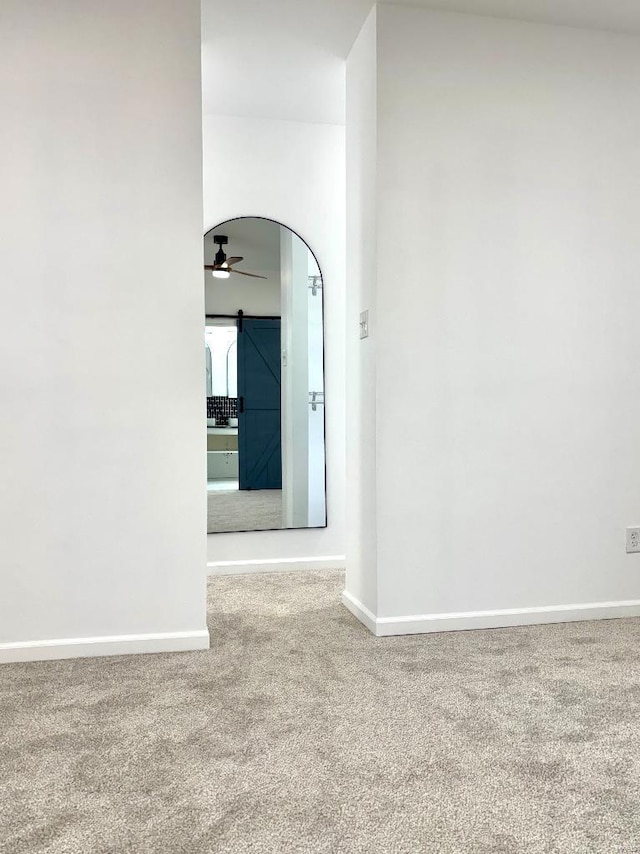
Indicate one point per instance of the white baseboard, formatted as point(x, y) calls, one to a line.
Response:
point(427, 623)
point(240, 567)
point(360, 611)
point(45, 650)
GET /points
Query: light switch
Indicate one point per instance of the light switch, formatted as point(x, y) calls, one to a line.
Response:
point(364, 324)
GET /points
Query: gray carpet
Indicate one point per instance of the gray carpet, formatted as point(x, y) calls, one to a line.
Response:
point(244, 510)
point(300, 732)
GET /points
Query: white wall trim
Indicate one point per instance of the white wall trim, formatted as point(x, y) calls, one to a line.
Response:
point(360, 611)
point(289, 564)
point(44, 650)
point(462, 621)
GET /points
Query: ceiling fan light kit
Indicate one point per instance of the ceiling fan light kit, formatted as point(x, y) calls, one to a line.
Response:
point(221, 272)
point(222, 266)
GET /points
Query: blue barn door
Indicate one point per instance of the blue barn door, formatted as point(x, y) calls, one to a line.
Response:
point(259, 440)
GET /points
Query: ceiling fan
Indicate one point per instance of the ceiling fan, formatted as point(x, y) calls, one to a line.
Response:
point(222, 266)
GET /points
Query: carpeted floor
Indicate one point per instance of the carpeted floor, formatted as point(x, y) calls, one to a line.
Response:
point(300, 732)
point(244, 510)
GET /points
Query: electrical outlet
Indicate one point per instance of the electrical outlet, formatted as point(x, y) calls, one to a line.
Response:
point(633, 540)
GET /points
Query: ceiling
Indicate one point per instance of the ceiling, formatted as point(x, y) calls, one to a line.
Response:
point(284, 59)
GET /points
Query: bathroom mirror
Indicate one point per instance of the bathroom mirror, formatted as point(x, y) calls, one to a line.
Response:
point(264, 357)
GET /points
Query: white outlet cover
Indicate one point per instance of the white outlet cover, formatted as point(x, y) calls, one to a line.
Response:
point(633, 540)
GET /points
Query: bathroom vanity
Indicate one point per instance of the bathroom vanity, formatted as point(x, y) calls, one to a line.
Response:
point(222, 453)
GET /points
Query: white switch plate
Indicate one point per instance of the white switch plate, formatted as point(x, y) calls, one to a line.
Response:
point(364, 324)
point(633, 540)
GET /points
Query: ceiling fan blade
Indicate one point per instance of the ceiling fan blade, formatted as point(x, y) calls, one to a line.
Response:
point(234, 260)
point(253, 275)
point(211, 267)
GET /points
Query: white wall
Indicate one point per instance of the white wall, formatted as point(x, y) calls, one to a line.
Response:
point(316, 461)
point(362, 277)
point(292, 172)
point(294, 257)
point(227, 296)
point(103, 511)
point(507, 349)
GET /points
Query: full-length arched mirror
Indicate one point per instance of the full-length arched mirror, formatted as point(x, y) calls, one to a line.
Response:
point(264, 358)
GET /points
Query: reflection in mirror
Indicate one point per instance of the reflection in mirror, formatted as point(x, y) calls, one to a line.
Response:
point(264, 379)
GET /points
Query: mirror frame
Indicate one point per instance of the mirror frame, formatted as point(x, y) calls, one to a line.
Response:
point(213, 230)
